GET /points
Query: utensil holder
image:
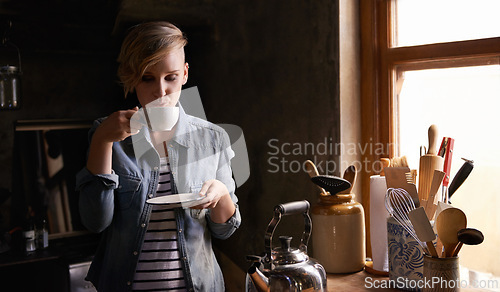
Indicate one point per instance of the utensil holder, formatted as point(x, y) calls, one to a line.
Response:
point(406, 257)
point(441, 274)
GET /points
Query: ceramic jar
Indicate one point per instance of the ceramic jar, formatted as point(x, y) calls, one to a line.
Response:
point(338, 235)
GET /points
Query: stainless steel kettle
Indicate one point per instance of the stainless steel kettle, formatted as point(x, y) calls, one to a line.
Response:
point(286, 268)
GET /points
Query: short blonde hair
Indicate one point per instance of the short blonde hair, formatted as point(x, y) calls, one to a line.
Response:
point(144, 46)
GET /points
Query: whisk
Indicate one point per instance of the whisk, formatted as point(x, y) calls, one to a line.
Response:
point(399, 203)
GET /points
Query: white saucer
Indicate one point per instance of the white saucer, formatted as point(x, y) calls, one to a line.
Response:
point(175, 199)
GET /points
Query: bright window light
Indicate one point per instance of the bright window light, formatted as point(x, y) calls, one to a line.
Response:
point(437, 21)
point(465, 105)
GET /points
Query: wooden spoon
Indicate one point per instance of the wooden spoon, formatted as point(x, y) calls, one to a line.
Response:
point(313, 171)
point(448, 223)
point(469, 236)
point(350, 176)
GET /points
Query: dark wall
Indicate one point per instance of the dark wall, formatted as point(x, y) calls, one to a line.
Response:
point(275, 74)
point(270, 67)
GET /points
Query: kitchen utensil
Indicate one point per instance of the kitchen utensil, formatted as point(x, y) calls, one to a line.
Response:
point(331, 184)
point(350, 176)
point(411, 177)
point(386, 162)
point(313, 171)
point(469, 236)
point(399, 203)
point(399, 162)
point(440, 207)
point(447, 154)
point(396, 179)
point(428, 163)
point(448, 223)
point(175, 199)
point(423, 228)
point(442, 148)
point(460, 177)
point(286, 268)
point(431, 203)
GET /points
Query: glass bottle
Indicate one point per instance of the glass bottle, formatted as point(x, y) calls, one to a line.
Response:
point(42, 236)
point(29, 234)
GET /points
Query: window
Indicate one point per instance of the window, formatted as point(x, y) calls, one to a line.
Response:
point(430, 21)
point(437, 62)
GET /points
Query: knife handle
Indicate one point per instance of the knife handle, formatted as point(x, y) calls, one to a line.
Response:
point(460, 177)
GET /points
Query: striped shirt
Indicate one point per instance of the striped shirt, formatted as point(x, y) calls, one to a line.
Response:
point(159, 267)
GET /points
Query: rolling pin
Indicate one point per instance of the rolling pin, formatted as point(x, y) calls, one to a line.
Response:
point(428, 163)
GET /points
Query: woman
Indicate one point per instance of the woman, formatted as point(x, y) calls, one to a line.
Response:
point(144, 246)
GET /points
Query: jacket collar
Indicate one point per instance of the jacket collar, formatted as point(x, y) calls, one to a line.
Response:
point(182, 134)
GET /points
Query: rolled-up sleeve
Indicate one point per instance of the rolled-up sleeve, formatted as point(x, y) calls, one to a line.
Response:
point(96, 202)
point(226, 229)
point(224, 174)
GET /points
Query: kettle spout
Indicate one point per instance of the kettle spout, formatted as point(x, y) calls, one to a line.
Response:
point(259, 280)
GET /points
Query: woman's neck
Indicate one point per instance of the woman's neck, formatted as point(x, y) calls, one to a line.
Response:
point(160, 140)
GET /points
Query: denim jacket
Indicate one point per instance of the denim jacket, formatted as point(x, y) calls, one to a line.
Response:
point(115, 204)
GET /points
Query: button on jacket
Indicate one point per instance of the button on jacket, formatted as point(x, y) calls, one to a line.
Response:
point(115, 204)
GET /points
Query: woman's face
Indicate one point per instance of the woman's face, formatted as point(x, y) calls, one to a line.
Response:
point(161, 84)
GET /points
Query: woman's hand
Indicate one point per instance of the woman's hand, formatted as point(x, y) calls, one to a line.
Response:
point(116, 127)
point(218, 199)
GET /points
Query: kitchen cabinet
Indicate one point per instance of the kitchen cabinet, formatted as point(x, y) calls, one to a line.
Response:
point(59, 268)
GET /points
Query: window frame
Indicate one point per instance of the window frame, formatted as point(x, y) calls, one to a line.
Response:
point(382, 63)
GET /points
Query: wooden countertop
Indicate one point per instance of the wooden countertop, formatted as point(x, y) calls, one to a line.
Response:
point(360, 281)
point(364, 281)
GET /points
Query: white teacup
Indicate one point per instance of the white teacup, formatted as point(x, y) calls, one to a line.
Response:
point(161, 118)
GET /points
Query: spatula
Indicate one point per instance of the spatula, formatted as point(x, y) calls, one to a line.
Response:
point(396, 178)
point(313, 171)
point(448, 223)
point(332, 184)
point(431, 204)
point(423, 229)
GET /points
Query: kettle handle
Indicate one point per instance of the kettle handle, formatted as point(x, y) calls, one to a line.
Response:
point(291, 208)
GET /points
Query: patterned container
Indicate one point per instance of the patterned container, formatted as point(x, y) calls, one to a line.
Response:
point(406, 257)
point(442, 273)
